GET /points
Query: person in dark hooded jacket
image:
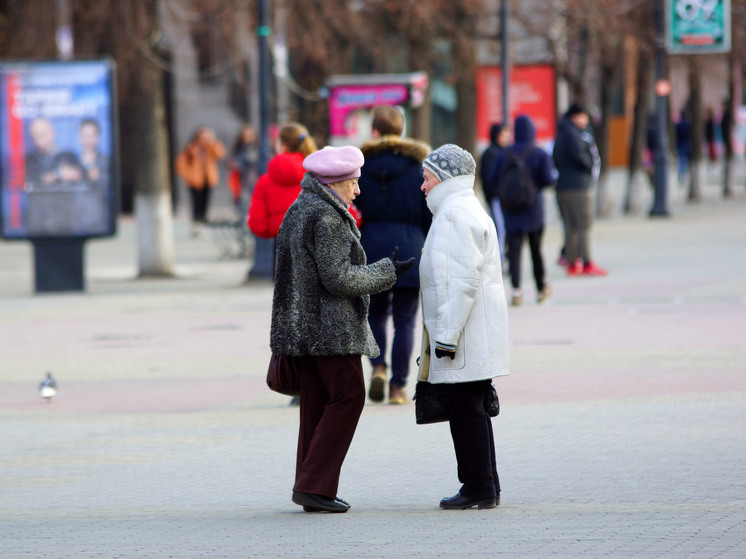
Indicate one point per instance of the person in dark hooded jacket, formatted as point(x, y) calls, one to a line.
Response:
point(394, 213)
point(527, 223)
point(499, 140)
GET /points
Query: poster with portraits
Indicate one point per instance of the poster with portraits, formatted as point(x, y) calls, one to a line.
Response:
point(58, 173)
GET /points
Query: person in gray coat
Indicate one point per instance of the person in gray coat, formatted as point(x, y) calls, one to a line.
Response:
point(319, 318)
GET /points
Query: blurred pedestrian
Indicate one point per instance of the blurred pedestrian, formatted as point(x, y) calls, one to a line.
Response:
point(710, 135)
point(394, 213)
point(319, 318)
point(197, 164)
point(726, 128)
point(683, 131)
point(499, 140)
point(577, 162)
point(244, 157)
point(526, 221)
point(278, 188)
point(465, 316)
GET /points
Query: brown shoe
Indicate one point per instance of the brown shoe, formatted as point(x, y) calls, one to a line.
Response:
point(544, 294)
point(377, 385)
point(397, 395)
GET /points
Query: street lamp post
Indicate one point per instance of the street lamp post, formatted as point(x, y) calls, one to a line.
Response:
point(660, 159)
point(504, 18)
point(263, 248)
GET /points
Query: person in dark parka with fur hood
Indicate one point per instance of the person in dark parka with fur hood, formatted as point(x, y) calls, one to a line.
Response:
point(394, 213)
point(319, 318)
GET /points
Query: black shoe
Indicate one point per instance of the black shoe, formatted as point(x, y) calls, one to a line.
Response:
point(312, 509)
point(318, 503)
point(377, 386)
point(461, 502)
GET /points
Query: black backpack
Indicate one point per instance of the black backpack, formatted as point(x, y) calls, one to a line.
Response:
point(515, 187)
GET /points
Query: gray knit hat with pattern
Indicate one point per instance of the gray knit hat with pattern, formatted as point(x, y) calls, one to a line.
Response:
point(450, 161)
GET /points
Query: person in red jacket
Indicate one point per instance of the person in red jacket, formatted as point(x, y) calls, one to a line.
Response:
point(278, 188)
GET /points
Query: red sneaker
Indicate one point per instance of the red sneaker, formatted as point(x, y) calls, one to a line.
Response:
point(562, 261)
point(575, 269)
point(591, 269)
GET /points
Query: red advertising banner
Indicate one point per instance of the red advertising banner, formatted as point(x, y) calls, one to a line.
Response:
point(532, 92)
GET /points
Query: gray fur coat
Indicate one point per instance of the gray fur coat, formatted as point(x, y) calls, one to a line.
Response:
point(323, 285)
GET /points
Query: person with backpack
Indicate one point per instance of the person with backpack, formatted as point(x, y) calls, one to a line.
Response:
point(519, 174)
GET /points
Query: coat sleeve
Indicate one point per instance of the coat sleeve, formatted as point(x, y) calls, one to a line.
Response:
point(494, 175)
point(217, 150)
point(258, 219)
point(579, 154)
point(181, 165)
point(547, 172)
point(339, 276)
point(457, 257)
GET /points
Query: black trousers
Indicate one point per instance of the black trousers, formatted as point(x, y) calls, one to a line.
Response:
point(515, 246)
point(200, 203)
point(473, 439)
point(332, 396)
point(401, 303)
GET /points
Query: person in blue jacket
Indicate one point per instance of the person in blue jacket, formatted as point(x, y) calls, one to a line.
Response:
point(528, 222)
point(394, 214)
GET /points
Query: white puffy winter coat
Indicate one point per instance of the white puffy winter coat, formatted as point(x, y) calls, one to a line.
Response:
point(463, 298)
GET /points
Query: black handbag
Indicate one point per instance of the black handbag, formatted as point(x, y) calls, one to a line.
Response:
point(431, 404)
point(491, 401)
point(282, 375)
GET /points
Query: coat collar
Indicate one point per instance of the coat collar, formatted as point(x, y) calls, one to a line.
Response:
point(457, 186)
point(311, 185)
point(403, 146)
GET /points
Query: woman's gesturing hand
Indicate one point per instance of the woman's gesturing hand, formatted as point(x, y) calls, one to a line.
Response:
point(400, 266)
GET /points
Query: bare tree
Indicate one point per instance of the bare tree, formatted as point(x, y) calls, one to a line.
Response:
point(640, 131)
point(126, 31)
point(696, 164)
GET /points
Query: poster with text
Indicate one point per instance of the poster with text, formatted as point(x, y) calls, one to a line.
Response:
point(57, 150)
point(532, 93)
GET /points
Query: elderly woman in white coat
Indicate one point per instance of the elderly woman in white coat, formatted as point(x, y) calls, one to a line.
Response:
point(466, 317)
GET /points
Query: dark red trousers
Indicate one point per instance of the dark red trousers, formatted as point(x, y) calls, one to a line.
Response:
point(332, 396)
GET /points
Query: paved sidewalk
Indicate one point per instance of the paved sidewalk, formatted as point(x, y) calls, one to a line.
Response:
point(621, 432)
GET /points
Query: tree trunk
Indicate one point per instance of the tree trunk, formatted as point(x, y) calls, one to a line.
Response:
point(420, 125)
point(609, 74)
point(728, 158)
point(632, 202)
point(155, 234)
point(467, 131)
point(697, 132)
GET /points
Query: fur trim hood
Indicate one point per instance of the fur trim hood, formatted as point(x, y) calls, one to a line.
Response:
point(403, 146)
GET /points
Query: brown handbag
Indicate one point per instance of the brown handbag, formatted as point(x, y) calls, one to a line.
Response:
point(282, 375)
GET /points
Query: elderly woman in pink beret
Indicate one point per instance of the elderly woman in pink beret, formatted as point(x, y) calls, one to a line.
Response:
point(319, 318)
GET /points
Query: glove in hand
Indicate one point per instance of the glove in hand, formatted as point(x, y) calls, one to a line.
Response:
point(441, 352)
point(400, 266)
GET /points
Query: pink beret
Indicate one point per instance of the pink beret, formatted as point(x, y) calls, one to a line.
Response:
point(335, 164)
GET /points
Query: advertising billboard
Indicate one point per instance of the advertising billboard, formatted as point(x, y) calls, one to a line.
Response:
point(532, 92)
point(57, 151)
point(697, 26)
point(352, 97)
